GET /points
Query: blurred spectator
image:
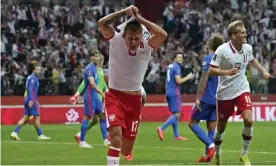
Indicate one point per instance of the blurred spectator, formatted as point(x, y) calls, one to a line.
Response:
point(59, 35)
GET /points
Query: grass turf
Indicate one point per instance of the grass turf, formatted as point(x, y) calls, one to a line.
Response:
point(63, 150)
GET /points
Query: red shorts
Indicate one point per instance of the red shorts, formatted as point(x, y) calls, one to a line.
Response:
point(225, 108)
point(123, 110)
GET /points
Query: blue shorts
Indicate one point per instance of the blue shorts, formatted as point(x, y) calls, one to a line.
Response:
point(208, 112)
point(33, 111)
point(174, 103)
point(92, 107)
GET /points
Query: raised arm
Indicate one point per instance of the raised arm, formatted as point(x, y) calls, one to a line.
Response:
point(158, 34)
point(105, 23)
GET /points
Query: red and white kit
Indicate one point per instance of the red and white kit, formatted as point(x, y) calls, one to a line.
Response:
point(232, 90)
point(126, 73)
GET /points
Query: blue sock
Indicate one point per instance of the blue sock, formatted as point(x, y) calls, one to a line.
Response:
point(17, 129)
point(172, 119)
point(211, 135)
point(201, 135)
point(39, 131)
point(84, 126)
point(103, 128)
point(175, 128)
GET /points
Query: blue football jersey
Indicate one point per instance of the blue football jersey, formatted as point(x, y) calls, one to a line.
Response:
point(172, 87)
point(209, 95)
point(89, 92)
point(32, 85)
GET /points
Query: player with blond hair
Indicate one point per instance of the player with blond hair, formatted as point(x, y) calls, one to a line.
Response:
point(229, 63)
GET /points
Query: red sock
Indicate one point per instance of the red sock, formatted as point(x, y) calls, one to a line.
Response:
point(113, 156)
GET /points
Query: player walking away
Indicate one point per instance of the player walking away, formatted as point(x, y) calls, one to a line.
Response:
point(92, 103)
point(205, 107)
point(99, 117)
point(129, 57)
point(229, 63)
point(31, 105)
point(173, 96)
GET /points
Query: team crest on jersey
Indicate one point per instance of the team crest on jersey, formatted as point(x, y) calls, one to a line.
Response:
point(146, 35)
point(111, 118)
point(238, 65)
point(142, 48)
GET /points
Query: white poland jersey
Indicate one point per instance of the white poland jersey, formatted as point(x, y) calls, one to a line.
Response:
point(227, 57)
point(126, 72)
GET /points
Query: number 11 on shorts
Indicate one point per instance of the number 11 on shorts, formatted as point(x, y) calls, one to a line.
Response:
point(247, 99)
point(134, 126)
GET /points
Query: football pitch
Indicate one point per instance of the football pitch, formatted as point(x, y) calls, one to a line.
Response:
point(63, 150)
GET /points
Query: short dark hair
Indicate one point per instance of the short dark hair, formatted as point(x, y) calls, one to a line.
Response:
point(214, 42)
point(175, 55)
point(134, 26)
point(232, 28)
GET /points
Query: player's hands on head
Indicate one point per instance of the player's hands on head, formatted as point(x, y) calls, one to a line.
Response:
point(266, 75)
point(129, 10)
point(232, 71)
point(135, 10)
point(138, 17)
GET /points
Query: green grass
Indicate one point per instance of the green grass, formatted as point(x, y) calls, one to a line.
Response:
point(62, 149)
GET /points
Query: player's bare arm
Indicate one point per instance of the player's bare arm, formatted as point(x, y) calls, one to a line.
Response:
point(94, 86)
point(258, 66)
point(105, 23)
point(201, 87)
point(158, 34)
point(180, 80)
point(213, 71)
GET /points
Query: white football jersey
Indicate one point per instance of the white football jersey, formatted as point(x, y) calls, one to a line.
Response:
point(126, 72)
point(227, 57)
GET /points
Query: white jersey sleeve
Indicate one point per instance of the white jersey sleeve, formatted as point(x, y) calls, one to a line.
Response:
point(217, 58)
point(143, 92)
point(227, 57)
point(250, 53)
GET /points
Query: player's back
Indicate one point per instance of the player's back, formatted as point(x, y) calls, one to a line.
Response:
point(126, 69)
point(89, 93)
point(32, 85)
point(172, 87)
point(226, 58)
point(209, 95)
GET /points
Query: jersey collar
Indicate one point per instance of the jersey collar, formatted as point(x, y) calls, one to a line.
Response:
point(233, 48)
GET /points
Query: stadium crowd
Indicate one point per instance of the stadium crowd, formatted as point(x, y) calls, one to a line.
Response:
point(58, 36)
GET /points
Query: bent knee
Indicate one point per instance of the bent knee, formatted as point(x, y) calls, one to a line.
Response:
point(248, 122)
point(115, 136)
point(177, 114)
point(221, 126)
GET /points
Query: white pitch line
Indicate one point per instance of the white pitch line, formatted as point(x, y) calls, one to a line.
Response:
point(155, 147)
